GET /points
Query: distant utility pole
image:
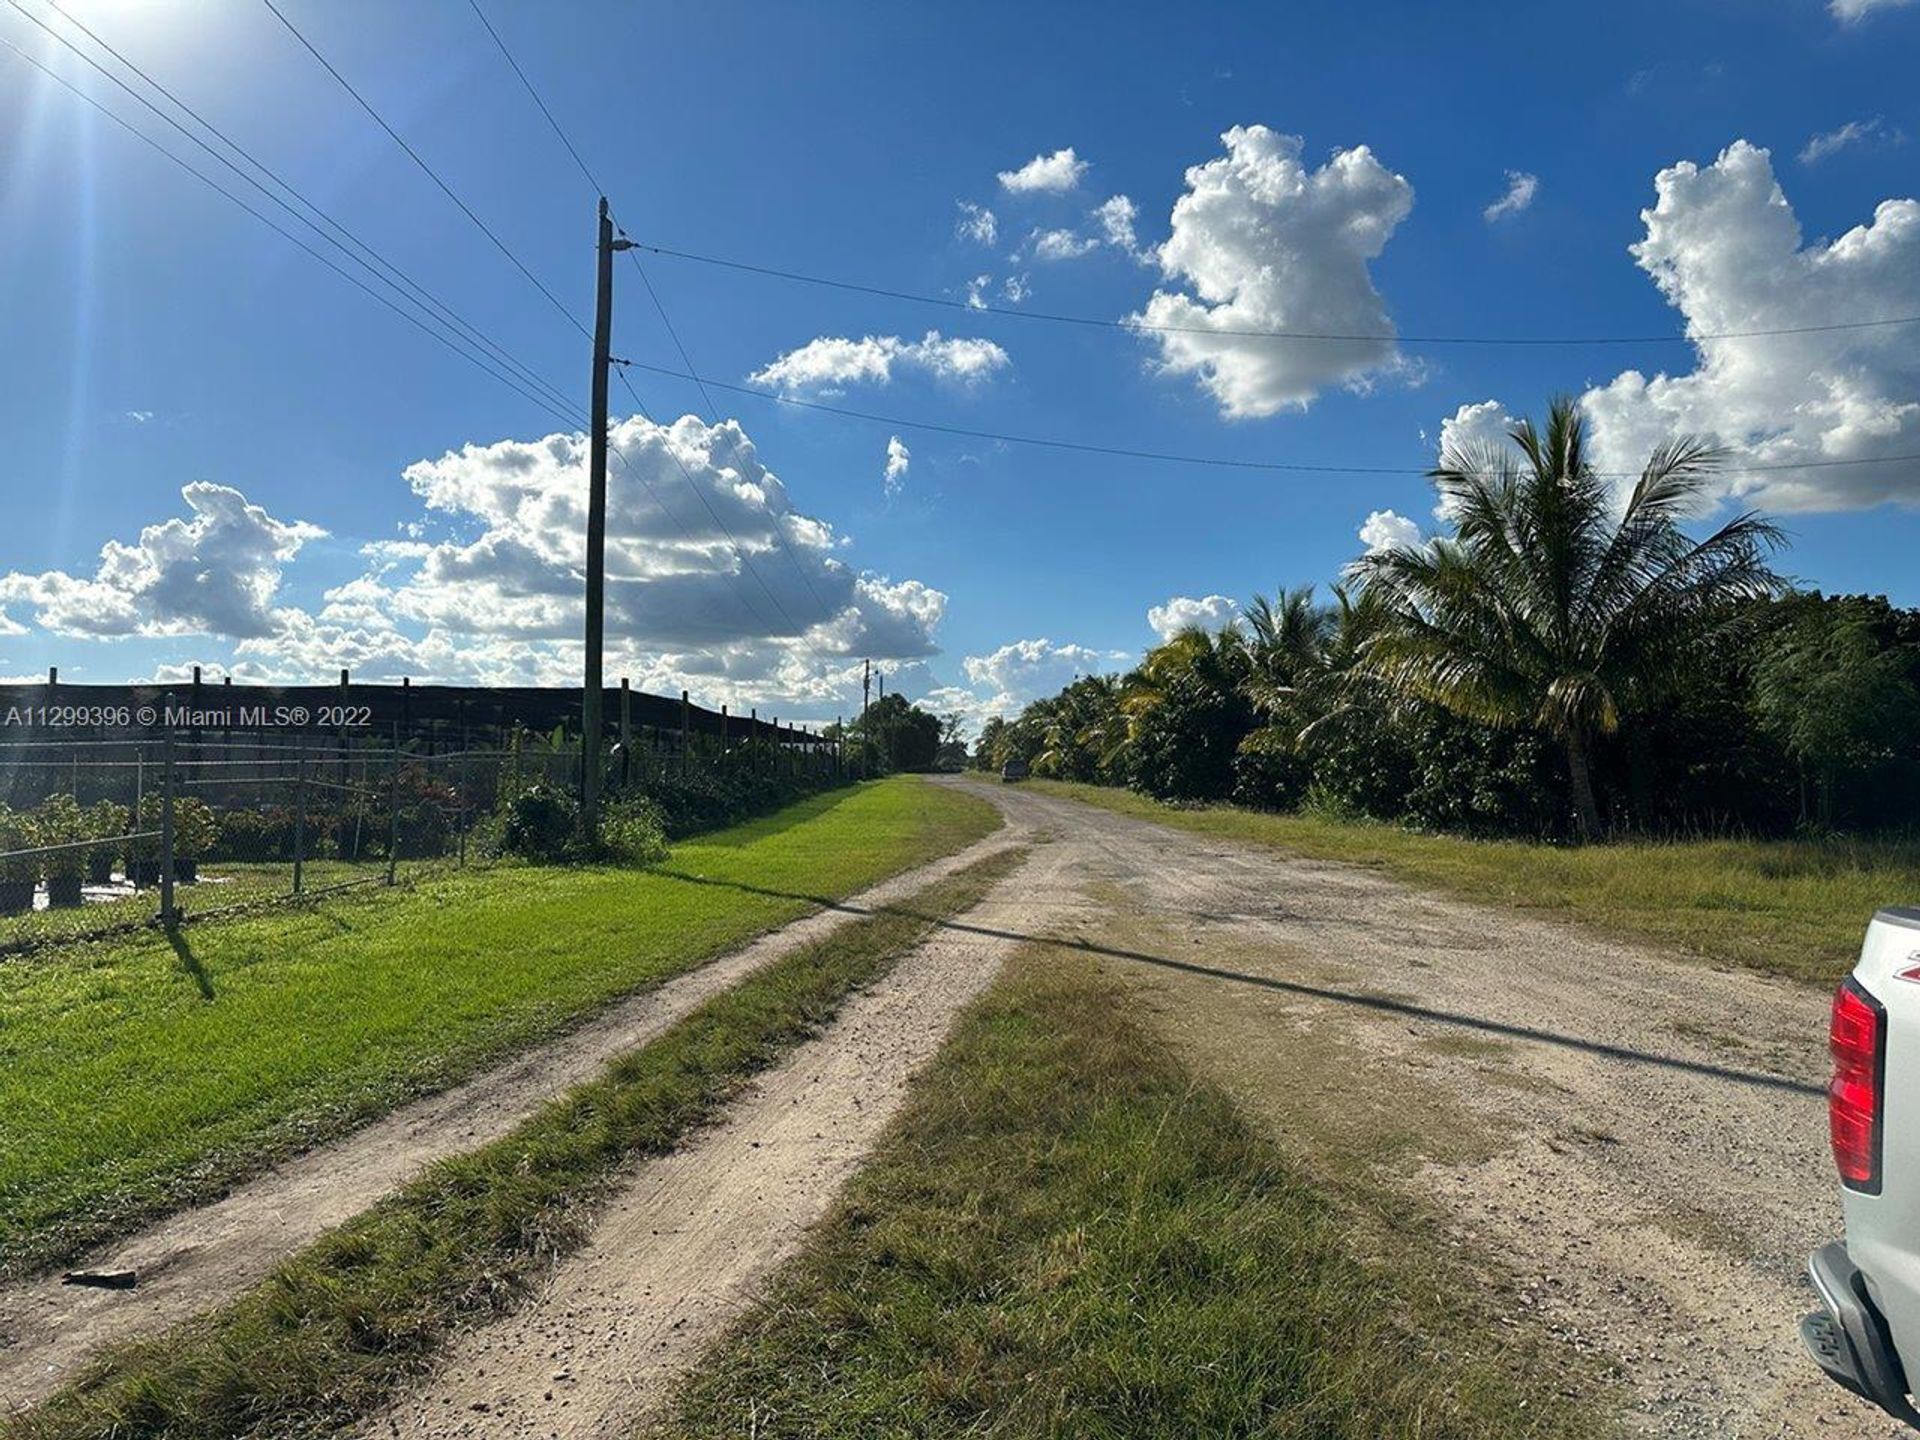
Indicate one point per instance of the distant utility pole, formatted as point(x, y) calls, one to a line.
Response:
point(866, 740)
point(590, 695)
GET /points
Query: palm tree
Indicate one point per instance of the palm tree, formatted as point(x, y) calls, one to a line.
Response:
point(1287, 642)
point(1186, 712)
point(1553, 604)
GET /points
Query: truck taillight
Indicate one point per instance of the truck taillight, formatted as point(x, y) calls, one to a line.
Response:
point(1857, 1093)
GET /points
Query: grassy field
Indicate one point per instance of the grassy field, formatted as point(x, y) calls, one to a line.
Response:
point(138, 1074)
point(330, 1334)
point(1786, 907)
point(1067, 1234)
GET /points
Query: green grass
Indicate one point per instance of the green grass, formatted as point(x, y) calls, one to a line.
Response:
point(1786, 907)
point(227, 885)
point(136, 1075)
point(1067, 1235)
point(333, 1331)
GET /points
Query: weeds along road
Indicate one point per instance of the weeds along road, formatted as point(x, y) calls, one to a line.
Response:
point(1633, 1143)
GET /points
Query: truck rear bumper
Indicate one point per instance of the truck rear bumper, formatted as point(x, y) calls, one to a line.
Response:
point(1848, 1336)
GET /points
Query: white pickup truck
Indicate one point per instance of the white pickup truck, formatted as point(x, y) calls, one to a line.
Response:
point(1867, 1335)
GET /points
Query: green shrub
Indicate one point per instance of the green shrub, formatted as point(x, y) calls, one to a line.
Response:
point(540, 822)
point(147, 824)
point(706, 799)
point(18, 832)
point(262, 834)
point(106, 822)
point(632, 831)
point(60, 821)
point(196, 829)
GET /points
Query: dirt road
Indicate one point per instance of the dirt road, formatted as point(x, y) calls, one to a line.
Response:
point(202, 1256)
point(1629, 1144)
point(1637, 1139)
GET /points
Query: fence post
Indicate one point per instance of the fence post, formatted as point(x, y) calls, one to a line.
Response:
point(167, 916)
point(393, 806)
point(466, 796)
point(626, 731)
point(340, 733)
point(299, 813)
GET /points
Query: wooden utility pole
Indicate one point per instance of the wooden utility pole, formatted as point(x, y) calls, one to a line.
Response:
point(590, 695)
point(866, 740)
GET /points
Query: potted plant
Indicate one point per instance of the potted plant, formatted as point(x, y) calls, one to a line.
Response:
point(106, 822)
point(18, 873)
point(143, 853)
point(196, 830)
point(61, 822)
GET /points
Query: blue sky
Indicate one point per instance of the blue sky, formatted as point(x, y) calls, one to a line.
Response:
point(158, 338)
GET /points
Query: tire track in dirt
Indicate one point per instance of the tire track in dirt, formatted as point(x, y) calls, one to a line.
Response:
point(685, 1244)
point(200, 1257)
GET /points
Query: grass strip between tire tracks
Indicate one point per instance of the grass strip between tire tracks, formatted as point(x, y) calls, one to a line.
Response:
point(1066, 1234)
point(335, 1330)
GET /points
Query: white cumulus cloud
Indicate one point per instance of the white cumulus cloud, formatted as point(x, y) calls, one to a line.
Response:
point(1725, 249)
point(1387, 530)
point(1267, 243)
point(1008, 679)
point(716, 581)
point(898, 458)
point(1058, 172)
point(215, 572)
point(1184, 612)
point(1521, 188)
point(832, 362)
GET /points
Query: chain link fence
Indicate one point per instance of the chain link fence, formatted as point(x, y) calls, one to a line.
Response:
point(101, 835)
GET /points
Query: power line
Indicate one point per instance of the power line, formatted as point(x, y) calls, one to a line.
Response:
point(598, 188)
point(746, 560)
point(419, 296)
point(501, 245)
point(1174, 457)
point(779, 536)
point(414, 320)
point(429, 171)
point(533, 279)
point(571, 420)
point(713, 416)
point(1106, 323)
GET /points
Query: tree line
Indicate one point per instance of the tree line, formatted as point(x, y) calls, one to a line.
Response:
point(1567, 661)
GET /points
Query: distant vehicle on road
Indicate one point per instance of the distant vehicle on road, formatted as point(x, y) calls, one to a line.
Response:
point(1867, 1333)
point(1013, 770)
